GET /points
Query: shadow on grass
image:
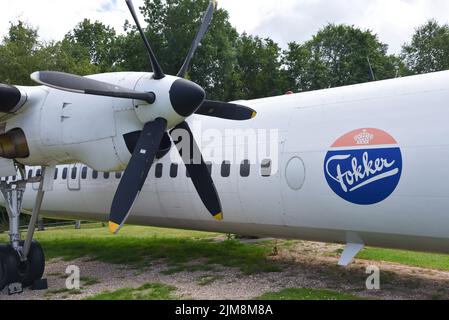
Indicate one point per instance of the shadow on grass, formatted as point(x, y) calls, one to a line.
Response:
point(177, 252)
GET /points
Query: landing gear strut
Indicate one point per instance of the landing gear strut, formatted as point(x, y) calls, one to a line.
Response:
point(22, 263)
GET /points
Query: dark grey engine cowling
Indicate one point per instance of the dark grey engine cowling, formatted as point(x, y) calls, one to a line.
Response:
point(11, 99)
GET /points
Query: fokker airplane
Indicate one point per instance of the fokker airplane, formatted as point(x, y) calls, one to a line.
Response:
point(359, 165)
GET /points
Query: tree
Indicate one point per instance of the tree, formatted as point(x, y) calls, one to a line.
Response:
point(172, 26)
point(18, 54)
point(259, 65)
point(338, 55)
point(65, 56)
point(22, 53)
point(428, 50)
point(94, 40)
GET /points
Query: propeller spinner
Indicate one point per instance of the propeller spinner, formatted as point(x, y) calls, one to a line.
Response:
point(186, 98)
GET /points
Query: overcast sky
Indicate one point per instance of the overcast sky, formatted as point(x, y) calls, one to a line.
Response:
point(282, 20)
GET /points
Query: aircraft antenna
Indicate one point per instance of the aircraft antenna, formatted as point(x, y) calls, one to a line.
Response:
point(371, 69)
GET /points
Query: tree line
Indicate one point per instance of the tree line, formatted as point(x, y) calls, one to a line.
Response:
point(229, 65)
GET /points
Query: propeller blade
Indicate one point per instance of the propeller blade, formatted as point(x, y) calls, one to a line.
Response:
point(224, 110)
point(73, 83)
point(157, 70)
point(207, 18)
point(136, 173)
point(200, 174)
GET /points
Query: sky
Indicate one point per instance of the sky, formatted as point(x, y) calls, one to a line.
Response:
point(282, 20)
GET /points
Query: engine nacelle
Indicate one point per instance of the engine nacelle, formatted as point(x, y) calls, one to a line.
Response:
point(60, 127)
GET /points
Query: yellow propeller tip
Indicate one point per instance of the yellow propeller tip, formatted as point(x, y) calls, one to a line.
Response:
point(113, 227)
point(253, 115)
point(219, 216)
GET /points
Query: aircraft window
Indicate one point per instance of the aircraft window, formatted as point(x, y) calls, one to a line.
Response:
point(174, 170)
point(94, 174)
point(64, 173)
point(226, 169)
point(118, 175)
point(295, 173)
point(73, 174)
point(56, 174)
point(106, 175)
point(159, 170)
point(209, 167)
point(245, 169)
point(84, 173)
point(266, 168)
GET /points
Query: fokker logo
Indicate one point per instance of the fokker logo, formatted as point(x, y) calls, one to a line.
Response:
point(364, 166)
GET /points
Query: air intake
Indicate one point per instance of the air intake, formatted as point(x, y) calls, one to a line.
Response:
point(13, 145)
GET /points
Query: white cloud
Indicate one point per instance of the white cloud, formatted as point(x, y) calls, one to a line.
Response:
point(283, 20)
point(297, 20)
point(55, 18)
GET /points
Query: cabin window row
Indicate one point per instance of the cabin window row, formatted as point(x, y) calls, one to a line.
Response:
point(225, 171)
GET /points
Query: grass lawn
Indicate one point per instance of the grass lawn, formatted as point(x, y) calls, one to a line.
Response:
point(150, 291)
point(139, 246)
point(307, 294)
point(414, 259)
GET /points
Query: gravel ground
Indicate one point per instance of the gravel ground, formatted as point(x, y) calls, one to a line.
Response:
point(304, 264)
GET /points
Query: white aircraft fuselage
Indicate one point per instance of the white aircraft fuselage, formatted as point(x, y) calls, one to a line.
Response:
point(365, 163)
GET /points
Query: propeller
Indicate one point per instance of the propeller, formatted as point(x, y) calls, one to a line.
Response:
point(199, 173)
point(224, 110)
point(214, 108)
point(136, 173)
point(186, 98)
point(157, 70)
point(207, 19)
point(77, 84)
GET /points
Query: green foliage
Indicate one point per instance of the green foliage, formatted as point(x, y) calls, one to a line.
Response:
point(229, 65)
point(19, 54)
point(338, 55)
point(172, 26)
point(429, 49)
point(149, 291)
point(306, 294)
point(96, 41)
point(139, 246)
point(259, 65)
point(414, 259)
